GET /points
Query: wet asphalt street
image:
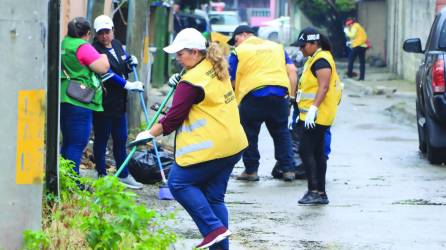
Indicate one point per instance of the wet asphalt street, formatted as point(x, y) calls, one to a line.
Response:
point(383, 194)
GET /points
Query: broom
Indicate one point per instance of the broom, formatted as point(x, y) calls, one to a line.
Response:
point(164, 192)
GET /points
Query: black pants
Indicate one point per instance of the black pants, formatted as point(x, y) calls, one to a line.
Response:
point(311, 151)
point(357, 51)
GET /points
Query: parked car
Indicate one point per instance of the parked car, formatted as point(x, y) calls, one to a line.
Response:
point(277, 30)
point(224, 22)
point(192, 21)
point(431, 95)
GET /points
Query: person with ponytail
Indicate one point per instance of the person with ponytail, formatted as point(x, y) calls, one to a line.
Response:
point(209, 137)
point(319, 93)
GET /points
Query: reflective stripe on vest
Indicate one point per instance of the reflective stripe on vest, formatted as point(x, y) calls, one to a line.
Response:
point(212, 128)
point(197, 124)
point(193, 148)
point(308, 87)
point(310, 96)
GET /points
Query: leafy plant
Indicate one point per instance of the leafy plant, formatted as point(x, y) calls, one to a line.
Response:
point(329, 14)
point(107, 218)
point(36, 239)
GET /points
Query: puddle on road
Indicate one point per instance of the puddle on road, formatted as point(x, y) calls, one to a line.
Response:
point(234, 192)
point(354, 96)
point(420, 202)
point(378, 178)
point(395, 138)
point(239, 203)
point(359, 104)
point(374, 126)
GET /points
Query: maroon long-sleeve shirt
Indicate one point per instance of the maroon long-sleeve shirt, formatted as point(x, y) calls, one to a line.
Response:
point(185, 96)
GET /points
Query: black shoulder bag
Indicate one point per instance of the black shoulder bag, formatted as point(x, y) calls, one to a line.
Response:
point(79, 91)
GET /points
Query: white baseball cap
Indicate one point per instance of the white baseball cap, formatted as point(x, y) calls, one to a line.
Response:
point(188, 38)
point(102, 22)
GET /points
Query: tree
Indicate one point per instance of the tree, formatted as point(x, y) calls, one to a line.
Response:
point(329, 14)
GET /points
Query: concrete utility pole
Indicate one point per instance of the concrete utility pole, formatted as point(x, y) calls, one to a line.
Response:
point(24, 31)
point(94, 9)
point(137, 44)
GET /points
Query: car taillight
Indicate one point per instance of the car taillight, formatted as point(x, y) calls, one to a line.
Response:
point(438, 82)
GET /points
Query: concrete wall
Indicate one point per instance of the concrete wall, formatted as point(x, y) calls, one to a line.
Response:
point(74, 8)
point(407, 19)
point(374, 20)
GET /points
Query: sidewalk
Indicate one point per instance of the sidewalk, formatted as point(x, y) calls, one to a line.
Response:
point(381, 82)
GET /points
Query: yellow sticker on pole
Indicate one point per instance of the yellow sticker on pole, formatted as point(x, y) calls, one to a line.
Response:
point(30, 136)
point(146, 50)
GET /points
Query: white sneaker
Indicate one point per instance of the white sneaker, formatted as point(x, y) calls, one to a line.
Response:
point(130, 182)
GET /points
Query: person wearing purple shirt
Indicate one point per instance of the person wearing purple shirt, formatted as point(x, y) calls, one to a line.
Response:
point(209, 138)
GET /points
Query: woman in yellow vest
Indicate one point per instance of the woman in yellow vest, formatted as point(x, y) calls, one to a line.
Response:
point(319, 93)
point(358, 40)
point(209, 138)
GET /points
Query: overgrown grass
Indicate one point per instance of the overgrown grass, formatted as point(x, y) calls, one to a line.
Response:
point(106, 218)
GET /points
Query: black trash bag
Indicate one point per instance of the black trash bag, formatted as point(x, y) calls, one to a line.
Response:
point(296, 134)
point(144, 167)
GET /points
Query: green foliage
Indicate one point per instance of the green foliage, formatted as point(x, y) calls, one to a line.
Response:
point(322, 13)
point(35, 240)
point(329, 14)
point(108, 218)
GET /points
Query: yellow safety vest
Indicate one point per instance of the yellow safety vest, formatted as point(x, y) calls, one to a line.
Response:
point(308, 86)
point(212, 129)
point(360, 37)
point(260, 63)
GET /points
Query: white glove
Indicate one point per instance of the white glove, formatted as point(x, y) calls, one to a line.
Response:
point(311, 117)
point(136, 85)
point(345, 30)
point(174, 80)
point(141, 139)
point(133, 61)
point(144, 135)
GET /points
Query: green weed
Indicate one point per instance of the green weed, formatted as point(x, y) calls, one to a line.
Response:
point(98, 214)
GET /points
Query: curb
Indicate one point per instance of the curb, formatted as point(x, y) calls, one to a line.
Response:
point(409, 114)
point(368, 90)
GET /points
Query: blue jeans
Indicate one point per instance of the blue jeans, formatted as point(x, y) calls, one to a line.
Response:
point(274, 111)
point(103, 126)
point(201, 189)
point(75, 124)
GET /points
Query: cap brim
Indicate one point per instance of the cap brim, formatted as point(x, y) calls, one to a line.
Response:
point(104, 28)
point(298, 43)
point(231, 41)
point(173, 48)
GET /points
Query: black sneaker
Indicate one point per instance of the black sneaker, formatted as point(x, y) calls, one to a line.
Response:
point(277, 173)
point(313, 198)
point(304, 198)
point(324, 198)
point(289, 176)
